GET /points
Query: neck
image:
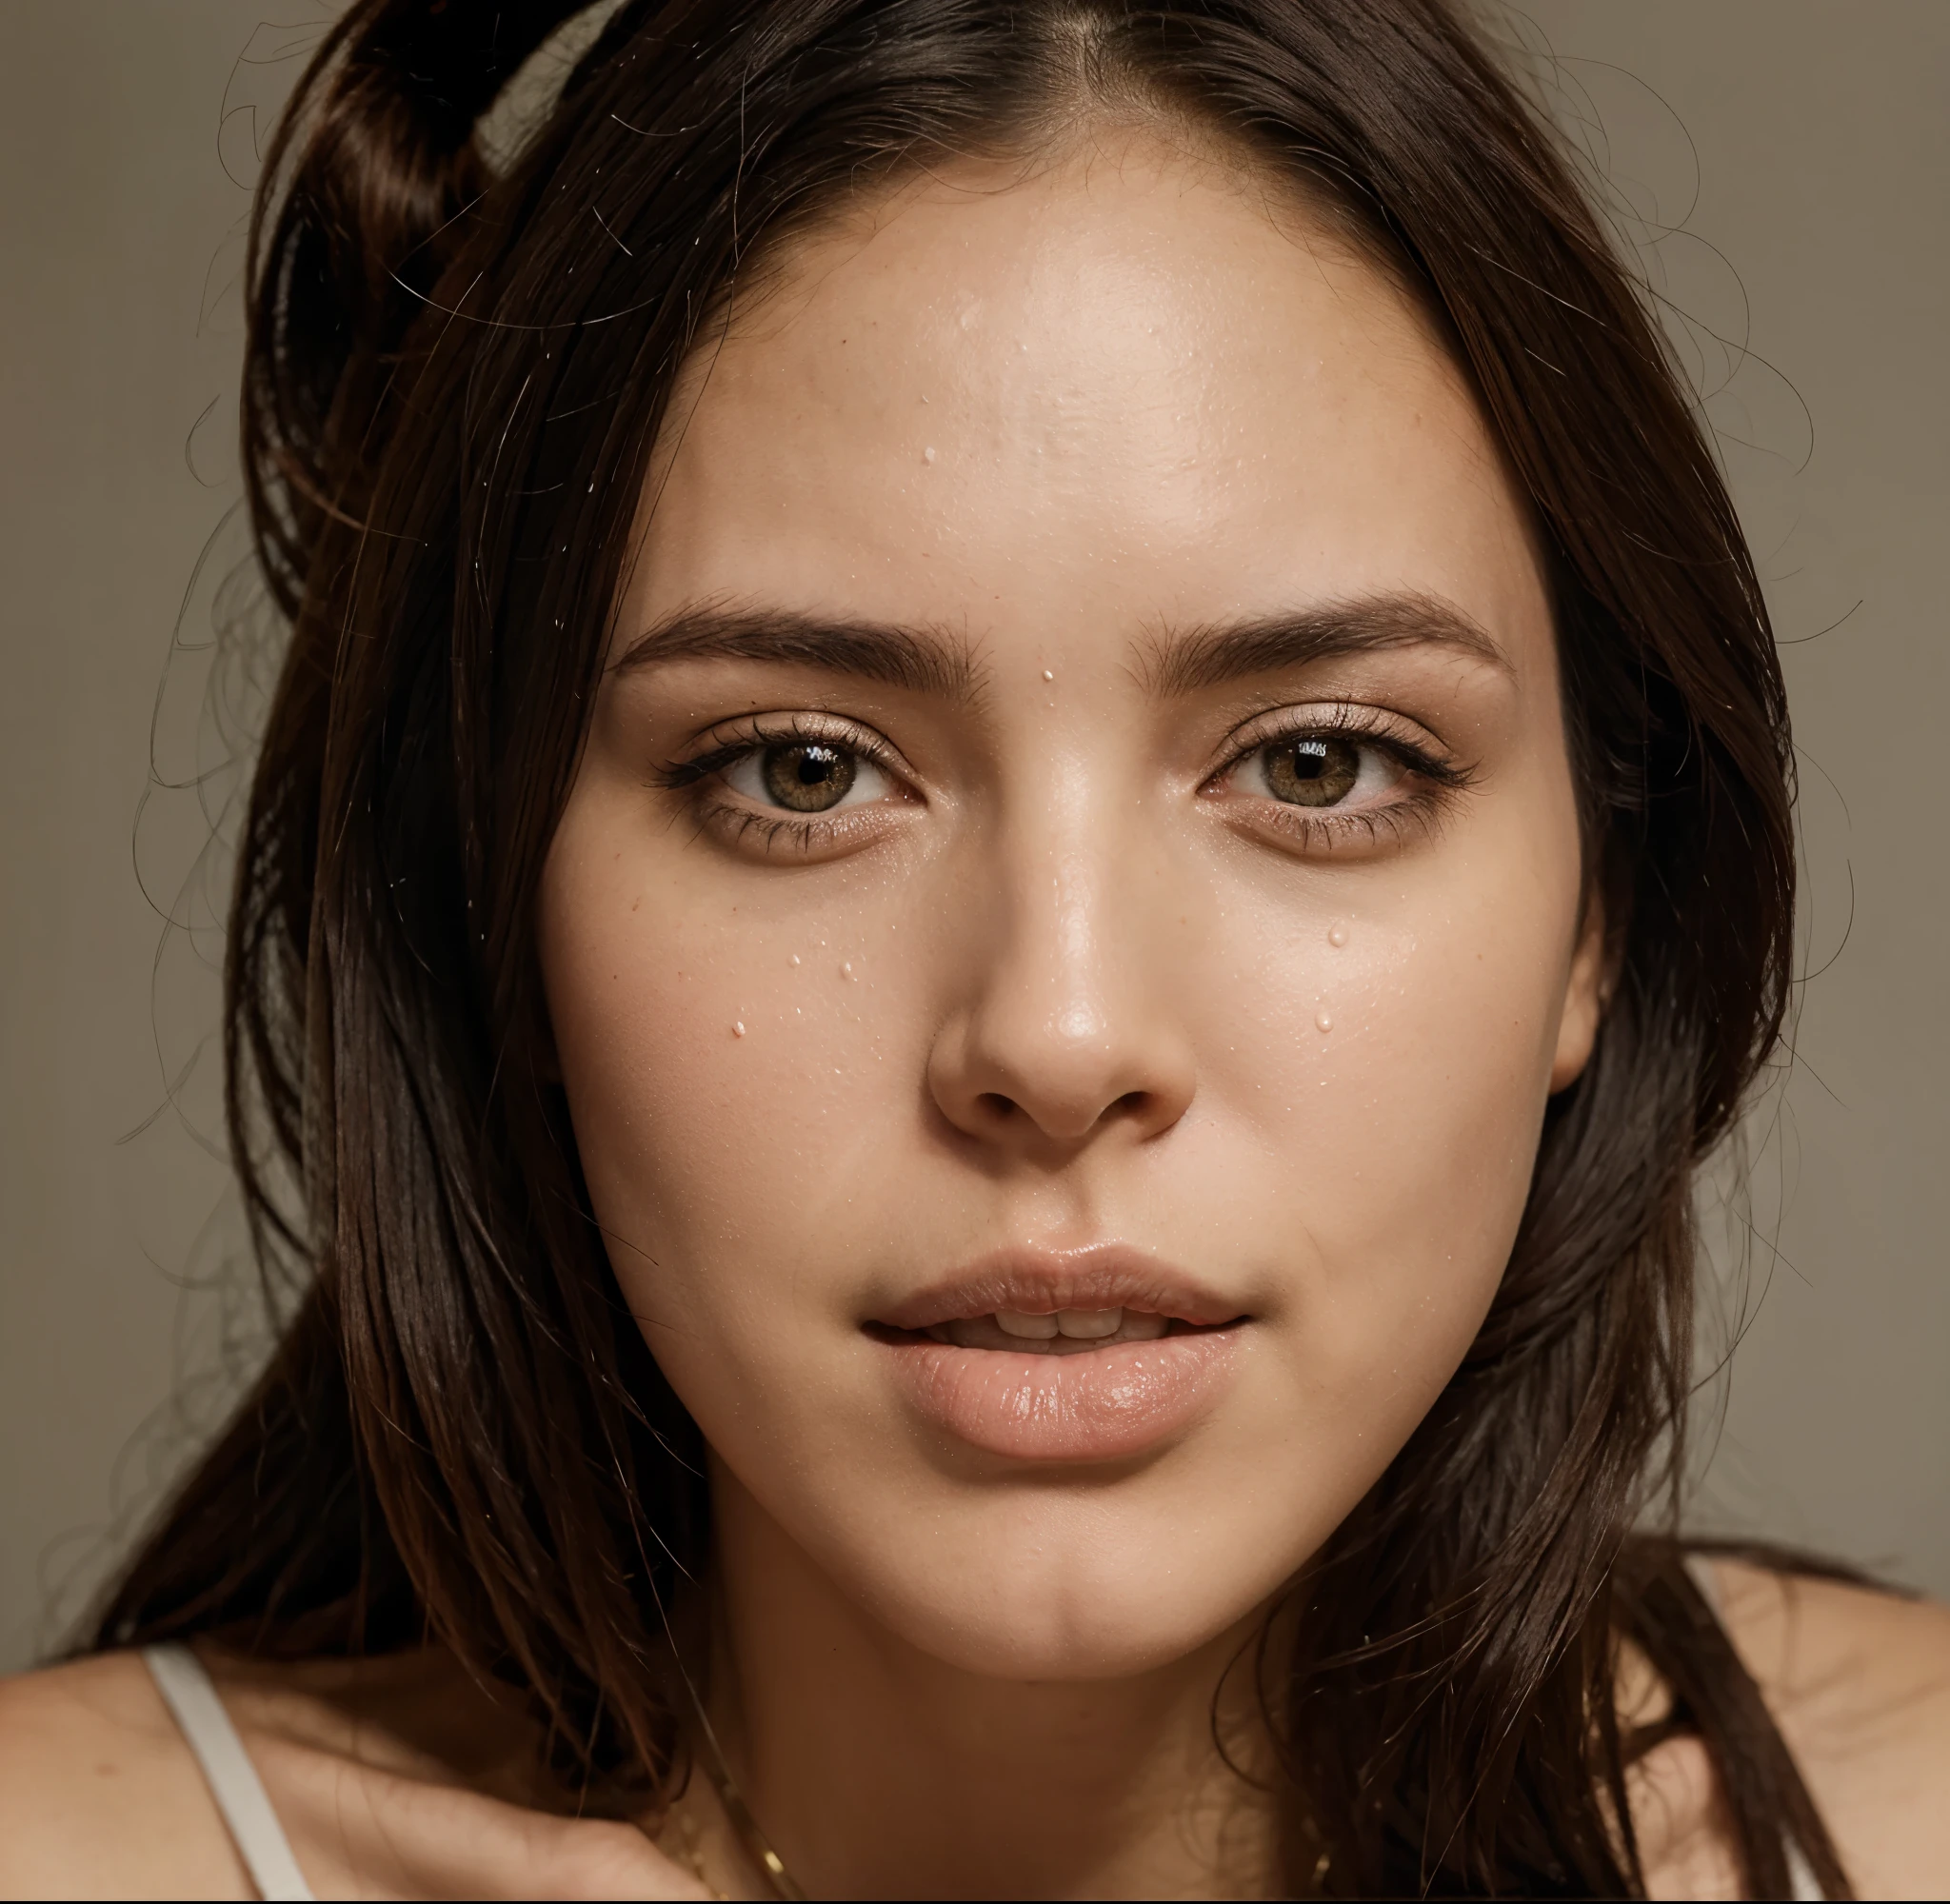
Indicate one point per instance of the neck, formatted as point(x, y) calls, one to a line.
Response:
point(879, 1769)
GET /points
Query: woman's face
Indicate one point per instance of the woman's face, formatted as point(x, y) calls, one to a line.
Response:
point(1070, 913)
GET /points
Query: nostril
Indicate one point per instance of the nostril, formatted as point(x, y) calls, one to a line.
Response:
point(1132, 1103)
point(997, 1107)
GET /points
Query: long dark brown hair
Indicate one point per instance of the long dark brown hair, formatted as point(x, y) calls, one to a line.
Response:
point(455, 375)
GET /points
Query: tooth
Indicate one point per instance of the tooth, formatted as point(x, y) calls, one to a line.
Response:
point(1141, 1325)
point(1033, 1328)
point(1088, 1325)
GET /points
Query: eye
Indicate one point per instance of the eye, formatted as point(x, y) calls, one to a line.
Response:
point(806, 775)
point(1321, 770)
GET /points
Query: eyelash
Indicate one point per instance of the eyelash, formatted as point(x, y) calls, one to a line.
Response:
point(1435, 781)
point(739, 824)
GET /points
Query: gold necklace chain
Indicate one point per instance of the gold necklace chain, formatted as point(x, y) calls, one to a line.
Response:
point(750, 1836)
point(757, 1846)
point(693, 1852)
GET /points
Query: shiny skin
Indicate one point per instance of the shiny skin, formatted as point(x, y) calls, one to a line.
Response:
point(1152, 401)
point(1058, 979)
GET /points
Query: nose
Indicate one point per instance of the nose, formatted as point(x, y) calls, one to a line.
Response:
point(1070, 1027)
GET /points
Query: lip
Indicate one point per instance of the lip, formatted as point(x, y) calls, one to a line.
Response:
point(1110, 1404)
point(1105, 1276)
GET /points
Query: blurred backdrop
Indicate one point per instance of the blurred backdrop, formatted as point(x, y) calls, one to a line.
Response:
point(1782, 166)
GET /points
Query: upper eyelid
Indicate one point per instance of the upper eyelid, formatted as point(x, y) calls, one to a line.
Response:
point(1331, 717)
point(1381, 729)
point(746, 733)
point(802, 724)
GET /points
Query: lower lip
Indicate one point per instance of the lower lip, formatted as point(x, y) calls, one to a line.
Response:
point(1106, 1405)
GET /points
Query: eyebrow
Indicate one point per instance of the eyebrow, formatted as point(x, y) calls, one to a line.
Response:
point(922, 661)
point(1213, 654)
point(1171, 663)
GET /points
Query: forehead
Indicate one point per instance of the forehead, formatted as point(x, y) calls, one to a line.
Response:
point(1128, 380)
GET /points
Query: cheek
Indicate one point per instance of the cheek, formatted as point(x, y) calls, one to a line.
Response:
point(643, 1017)
point(1393, 1067)
point(708, 1050)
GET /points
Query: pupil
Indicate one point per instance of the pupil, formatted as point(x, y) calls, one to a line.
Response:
point(1314, 771)
point(808, 776)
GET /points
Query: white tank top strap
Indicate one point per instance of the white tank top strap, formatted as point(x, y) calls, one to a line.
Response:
point(234, 1781)
point(1803, 1887)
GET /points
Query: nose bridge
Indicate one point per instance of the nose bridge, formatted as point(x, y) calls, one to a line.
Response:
point(1073, 938)
point(1069, 1019)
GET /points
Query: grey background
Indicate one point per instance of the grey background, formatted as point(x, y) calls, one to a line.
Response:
point(1785, 167)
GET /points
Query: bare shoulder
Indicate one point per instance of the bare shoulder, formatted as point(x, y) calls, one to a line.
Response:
point(1858, 1683)
point(395, 1777)
point(99, 1796)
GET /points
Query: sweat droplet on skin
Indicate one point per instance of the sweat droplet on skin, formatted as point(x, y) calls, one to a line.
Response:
point(846, 971)
point(1049, 674)
point(738, 1029)
point(1337, 934)
point(1324, 1021)
point(795, 958)
point(927, 454)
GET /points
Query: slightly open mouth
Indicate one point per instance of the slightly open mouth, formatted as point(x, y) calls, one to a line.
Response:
point(1060, 1385)
point(1060, 1331)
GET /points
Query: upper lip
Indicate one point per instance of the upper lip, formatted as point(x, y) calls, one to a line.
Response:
point(1036, 1281)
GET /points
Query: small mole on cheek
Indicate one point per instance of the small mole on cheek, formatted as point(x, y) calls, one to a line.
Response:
point(1337, 934)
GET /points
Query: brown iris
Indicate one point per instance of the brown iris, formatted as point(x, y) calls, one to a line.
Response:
point(808, 776)
point(1312, 771)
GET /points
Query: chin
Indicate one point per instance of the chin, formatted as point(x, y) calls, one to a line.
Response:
point(1040, 1584)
